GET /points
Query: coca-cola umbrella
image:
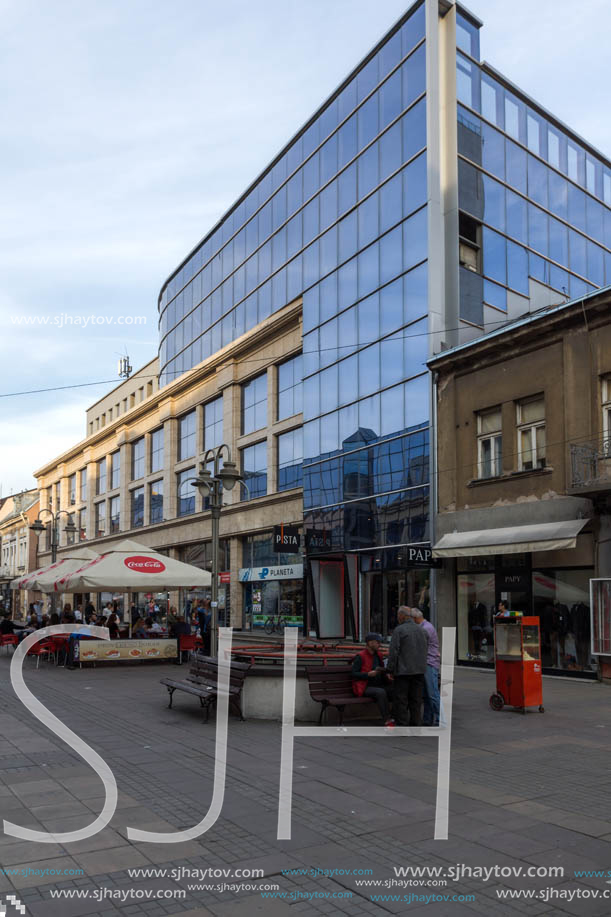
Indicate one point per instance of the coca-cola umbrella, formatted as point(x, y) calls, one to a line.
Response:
point(44, 579)
point(132, 567)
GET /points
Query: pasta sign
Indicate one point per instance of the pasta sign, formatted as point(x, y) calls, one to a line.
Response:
point(142, 564)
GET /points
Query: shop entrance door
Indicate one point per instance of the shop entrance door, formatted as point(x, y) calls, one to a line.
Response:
point(331, 604)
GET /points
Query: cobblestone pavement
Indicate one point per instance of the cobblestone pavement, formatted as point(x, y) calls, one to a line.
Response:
point(526, 792)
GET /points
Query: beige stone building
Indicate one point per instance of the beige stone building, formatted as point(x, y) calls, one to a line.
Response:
point(17, 548)
point(131, 476)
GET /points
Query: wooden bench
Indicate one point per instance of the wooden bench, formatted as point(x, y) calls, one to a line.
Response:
point(202, 682)
point(331, 686)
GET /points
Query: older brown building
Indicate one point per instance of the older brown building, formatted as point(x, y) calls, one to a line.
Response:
point(523, 471)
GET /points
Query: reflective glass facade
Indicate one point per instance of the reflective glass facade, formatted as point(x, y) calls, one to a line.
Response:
point(341, 219)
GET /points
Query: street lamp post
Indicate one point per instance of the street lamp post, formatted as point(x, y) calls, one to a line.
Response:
point(38, 528)
point(211, 485)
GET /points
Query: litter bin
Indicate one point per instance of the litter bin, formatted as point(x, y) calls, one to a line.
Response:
point(517, 650)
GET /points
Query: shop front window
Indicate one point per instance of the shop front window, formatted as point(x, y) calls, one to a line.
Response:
point(476, 608)
point(561, 600)
point(275, 597)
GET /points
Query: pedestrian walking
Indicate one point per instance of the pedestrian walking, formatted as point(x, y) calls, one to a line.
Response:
point(369, 677)
point(204, 615)
point(431, 676)
point(407, 663)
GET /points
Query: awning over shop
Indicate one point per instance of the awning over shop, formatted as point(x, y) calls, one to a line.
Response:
point(517, 539)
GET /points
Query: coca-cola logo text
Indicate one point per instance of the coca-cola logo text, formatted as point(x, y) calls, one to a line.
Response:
point(143, 564)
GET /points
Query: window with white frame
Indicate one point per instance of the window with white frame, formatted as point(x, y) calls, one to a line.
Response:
point(606, 405)
point(489, 443)
point(531, 433)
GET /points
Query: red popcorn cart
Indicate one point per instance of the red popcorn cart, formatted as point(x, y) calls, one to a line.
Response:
point(517, 647)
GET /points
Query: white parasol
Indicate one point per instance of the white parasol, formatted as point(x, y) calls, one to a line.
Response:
point(43, 579)
point(132, 567)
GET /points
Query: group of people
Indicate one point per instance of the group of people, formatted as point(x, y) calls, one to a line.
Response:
point(406, 685)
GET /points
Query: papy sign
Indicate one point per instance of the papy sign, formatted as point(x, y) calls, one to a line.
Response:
point(289, 733)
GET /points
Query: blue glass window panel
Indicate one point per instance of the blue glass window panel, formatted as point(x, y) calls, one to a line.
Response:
point(369, 370)
point(412, 31)
point(294, 235)
point(294, 281)
point(391, 359)
point(577, 287)
point(265, 260)
point(595, 264)
point(311, 177)
point(495, 256)
point(515, 166)
point(513, 116)
point(290, 457)
point(413, 127)
point(495, 295)
point(368, 221)
point(415, 293)
point(493, 151)
point(279, 296)
point(328, 297)
point(279, 213)
point(415, 348)
point(329, 433)
point(278, 252)
point(311, 353)
point(217, 266)
point(494, 203)
point(606, 228)
point(348, 375)
point(311, 439)
point(594, 219)
point(390, 196)
point(391, 255)
point(367, 79)
point(368, 270)
point(329, 388)
point(537, 181)
point(240, 318)
point(465, 77)
point(491, 93)
point(252, 240)
point(390, 100)
point(391, 307)
point(368, 171)
point(393, 411)
point(227, 330)
point(265, 222)
point(254, 469)
point(347, 333)
point(347, 231)
point(251, 273)
point(348, 424)
point(538, 268)
point(414, 184)
point(265, 301)
point(347, 189)
point(311, 308)
point(367, 122)
point(227, 258)
point(537, 229)
point(328, 205)
point(369, 319)
point(311, 404)
point(328, 343)
point(415, 239)
point(265, 187)
point(558, 241)
point(328, 251)
point(577, 207)
point(416, 393)
point(311, 224)
point(294, 155)
point(251, 311)
point(310, 265)
point(328, 159)
point(558, 194)
point(346, 101)
point(413, 76)
point(347, 284)
point(311, 138)
point(390, 151)
point(390, 54)
point(517, 268)
point(517, 216)
point(369, 414)
point(279, 173)
point(207, 344)
point(608, 268)
point(329, 119)
point(347, 142)
point(186, 493)
point(294, 192)
point(559, 279)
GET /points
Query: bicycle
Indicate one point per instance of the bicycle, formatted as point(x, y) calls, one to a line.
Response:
point(273, 623)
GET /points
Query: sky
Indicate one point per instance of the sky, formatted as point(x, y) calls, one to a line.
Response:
point(130, 128)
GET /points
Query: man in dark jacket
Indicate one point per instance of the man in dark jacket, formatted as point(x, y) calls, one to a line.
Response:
point(407, 663)
point(369, 677)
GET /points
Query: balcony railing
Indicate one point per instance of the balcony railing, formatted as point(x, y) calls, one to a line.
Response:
point(591, 465)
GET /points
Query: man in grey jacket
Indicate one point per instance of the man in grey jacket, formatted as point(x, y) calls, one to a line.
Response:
point(407, 665)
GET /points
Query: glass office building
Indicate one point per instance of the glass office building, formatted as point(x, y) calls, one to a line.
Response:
point(425, 200)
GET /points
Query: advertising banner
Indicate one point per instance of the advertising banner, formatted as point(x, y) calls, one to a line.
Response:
point(125, 650)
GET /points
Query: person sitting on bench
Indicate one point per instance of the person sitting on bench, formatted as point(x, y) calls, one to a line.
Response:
point(369, 677)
